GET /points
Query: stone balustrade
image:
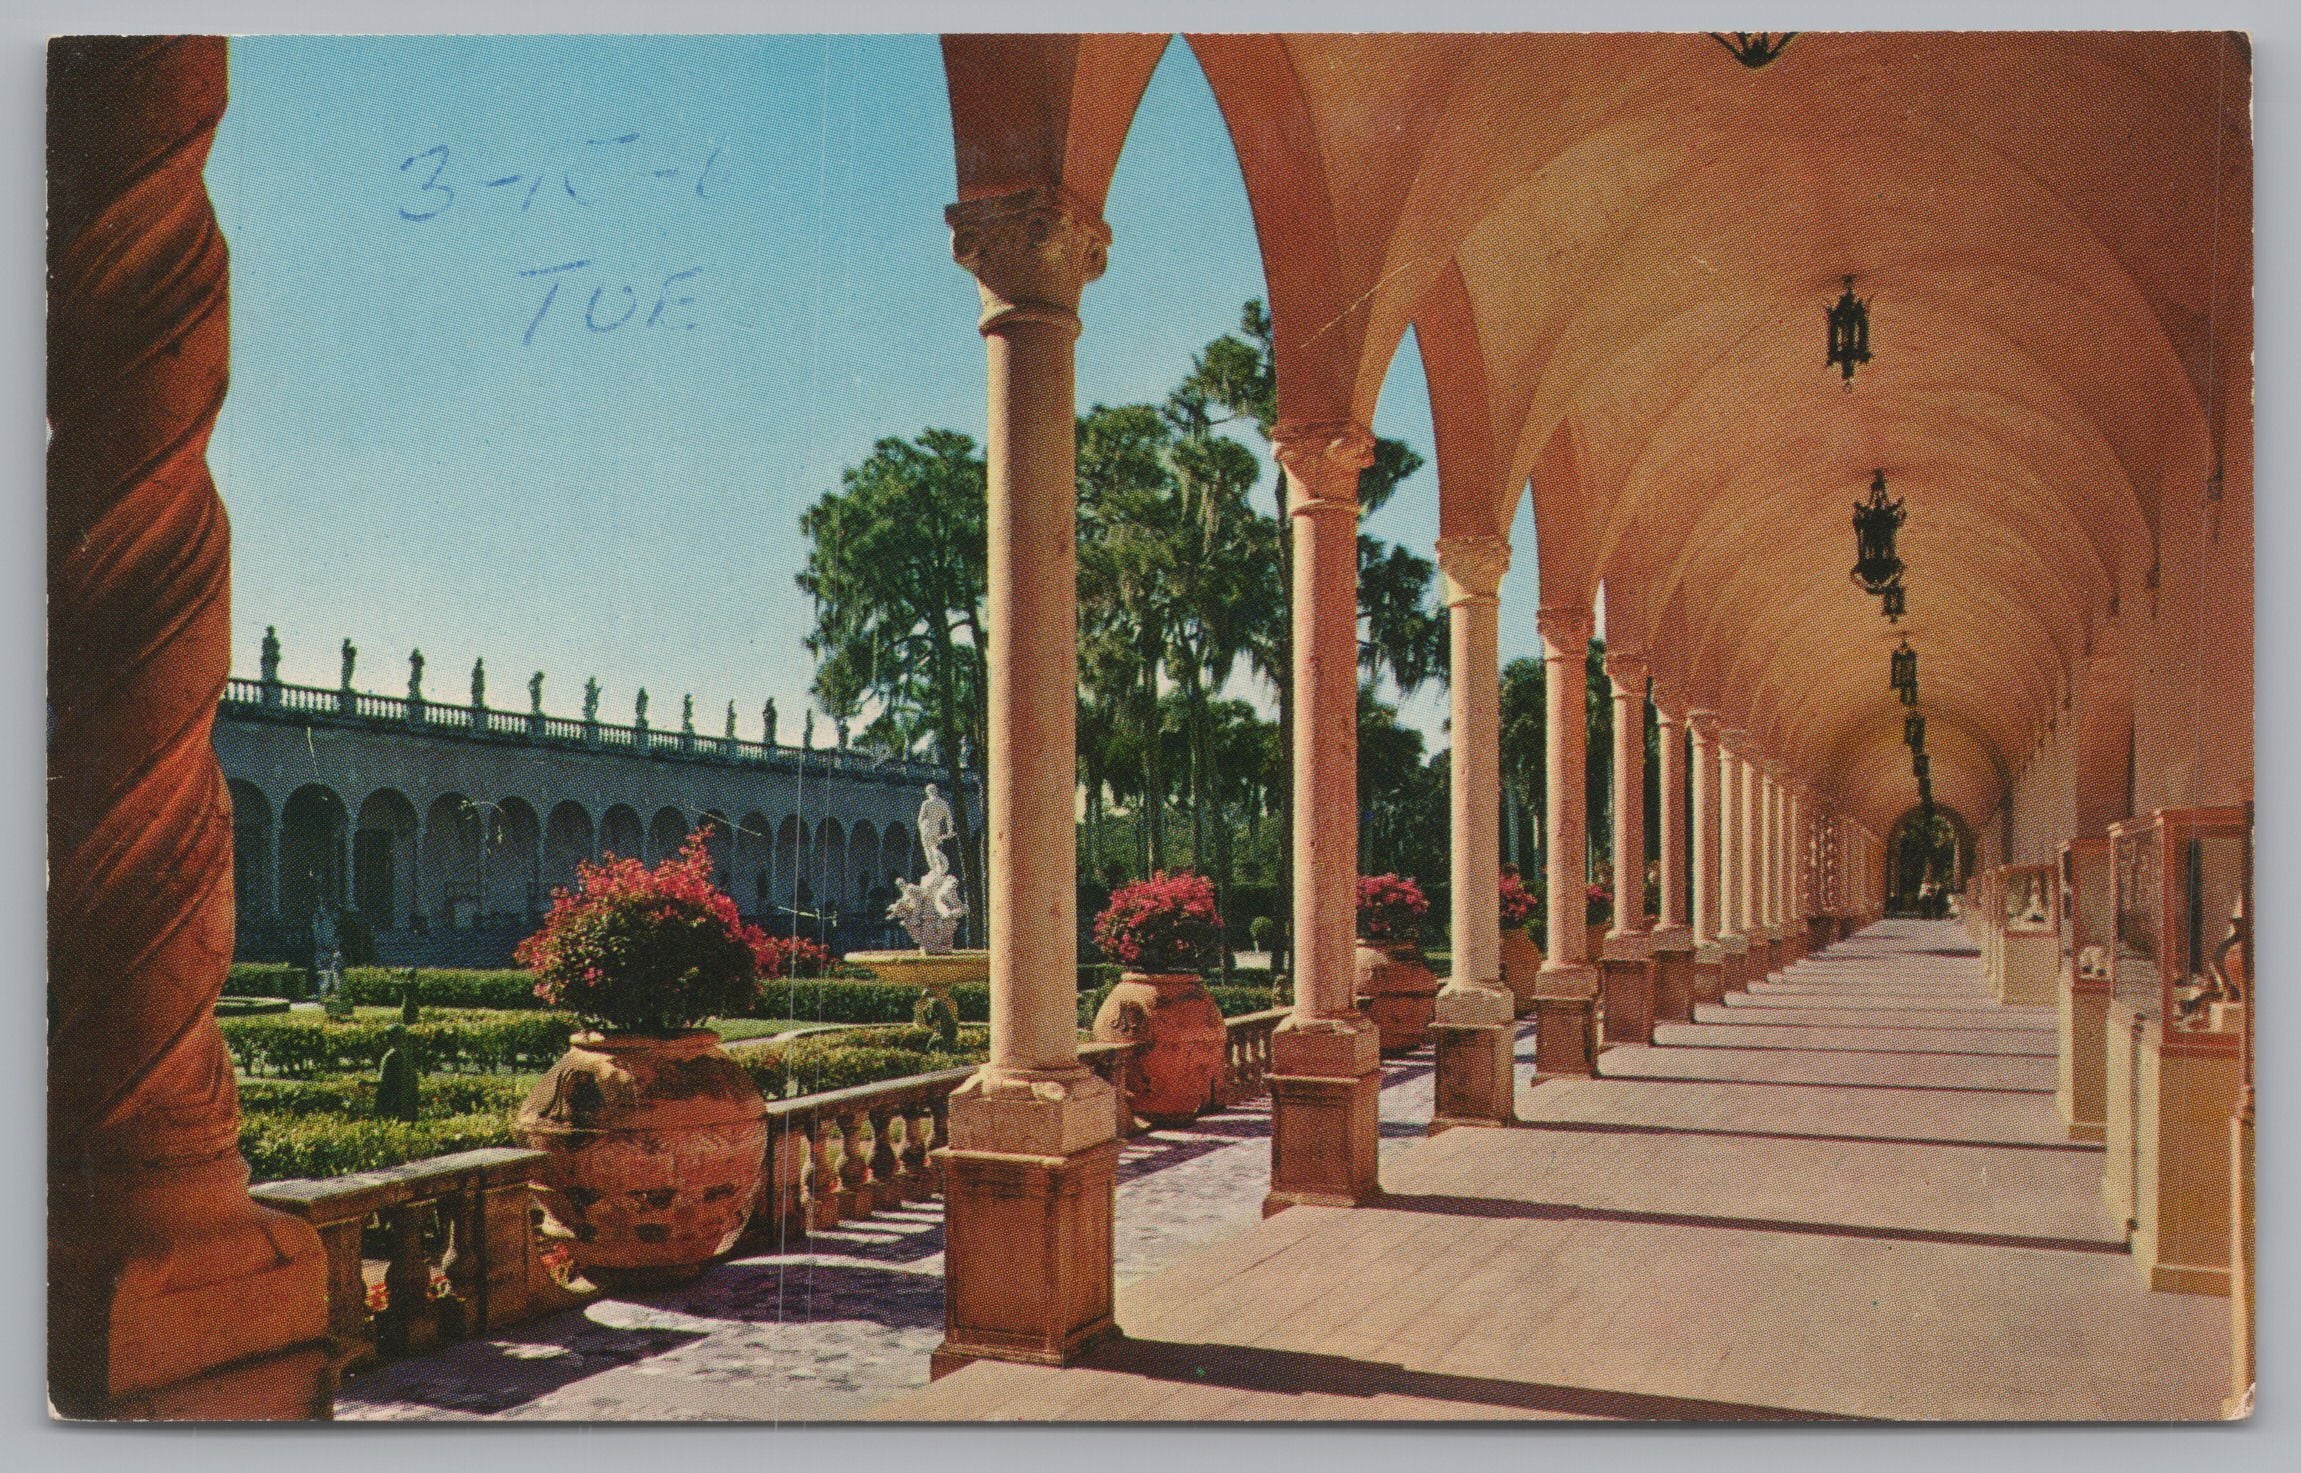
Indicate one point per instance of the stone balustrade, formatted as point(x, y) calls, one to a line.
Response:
point(469, 1214)
point(467, 1223)
point(259, 698)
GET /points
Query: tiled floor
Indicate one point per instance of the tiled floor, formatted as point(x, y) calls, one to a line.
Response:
point(1844, 1194)
point(843, 1320)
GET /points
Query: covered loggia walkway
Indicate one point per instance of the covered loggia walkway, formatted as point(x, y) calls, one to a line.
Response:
point(1840, 1194)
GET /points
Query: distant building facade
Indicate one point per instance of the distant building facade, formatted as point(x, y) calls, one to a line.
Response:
point(445, 827)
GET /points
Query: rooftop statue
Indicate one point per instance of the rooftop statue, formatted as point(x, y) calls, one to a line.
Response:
point(767, 718)
point(687, 715)
point(271, 655)
point(590, 698)
point(478, 684)
point(351, 658)
point(639, 708)
point(535, 693)
point(730, 721)
point(415, 677)
point(807, 732)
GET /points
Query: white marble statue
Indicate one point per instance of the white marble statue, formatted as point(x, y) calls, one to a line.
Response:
point(931, 909)
point(935, 830)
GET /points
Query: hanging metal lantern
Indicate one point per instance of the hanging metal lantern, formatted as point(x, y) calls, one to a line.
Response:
point(1913, 731)
point(1897, 601)
point(1877, 567)
point(1909, 693)
point(1921, 767)
point(1905, 670)
point(1849, 333)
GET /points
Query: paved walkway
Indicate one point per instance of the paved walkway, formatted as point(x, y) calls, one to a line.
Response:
point(1844, 1194)
point(848, 1318)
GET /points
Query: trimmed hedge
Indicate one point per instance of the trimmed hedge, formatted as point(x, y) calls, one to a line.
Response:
point(281, 1146)
point(805, 1066)
point(830, 1000)
point(509, 989)
point(268, 979)
point(305, 1047)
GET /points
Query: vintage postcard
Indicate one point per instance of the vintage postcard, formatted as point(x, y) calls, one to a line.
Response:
point(1126, 727)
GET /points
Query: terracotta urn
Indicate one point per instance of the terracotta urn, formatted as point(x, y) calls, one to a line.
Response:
point(1172, 1078)
point(657, 1143)
point(1521, 966)
point(1400, 993)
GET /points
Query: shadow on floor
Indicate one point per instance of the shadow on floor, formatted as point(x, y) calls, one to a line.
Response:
point(486, 1377)
point(1294, 1372)
point(1609, 1127)
point(1569, 1212)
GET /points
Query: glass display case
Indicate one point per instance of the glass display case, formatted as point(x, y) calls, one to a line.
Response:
point(2027, 898)
point(2179, 877)
point(2083, 909)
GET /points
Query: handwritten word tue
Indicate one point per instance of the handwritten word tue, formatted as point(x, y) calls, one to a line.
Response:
point(438, 181)
point(612, 306)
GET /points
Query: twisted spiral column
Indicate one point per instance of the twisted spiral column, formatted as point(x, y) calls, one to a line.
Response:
point(161, 1269)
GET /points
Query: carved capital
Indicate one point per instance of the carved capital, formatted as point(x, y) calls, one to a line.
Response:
point(1628, 670)
point(1322, 460)
point(1668, 709)
point(1565, 631)
point(1705, 725)
point(1473, 567)
point(1031, 252)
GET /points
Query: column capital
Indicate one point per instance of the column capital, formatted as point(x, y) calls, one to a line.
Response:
point(1322, 459)
point(1628, 670)
point(1031, 252)
point(1566, 630)
point(1668, 709)
point(1705, 725)
point(1473, 567)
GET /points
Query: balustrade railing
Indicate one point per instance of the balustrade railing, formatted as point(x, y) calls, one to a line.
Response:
point(453, 1245)
point(447, 1249)
point(448, 718)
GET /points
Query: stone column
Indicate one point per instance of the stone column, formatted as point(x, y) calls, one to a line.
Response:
point(1626, 973)
point(170, 1293)
point(1708, 855)
point(1733, 849)
point(1566, 1006)
point(1769, 868)
point(1325, 1059)
point(1475, 1030)
point(1749, 815)
point(1672, 936)
point(1029, 1168)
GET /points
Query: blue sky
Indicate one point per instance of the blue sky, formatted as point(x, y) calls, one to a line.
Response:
point(542, 344)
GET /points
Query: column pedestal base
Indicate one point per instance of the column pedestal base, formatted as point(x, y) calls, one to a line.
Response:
point(1325, 1089)
point(1028, 1183)
point(1709, 981)
point(1674, 985)
point(171, 1295)
point(1476, 1082)
point(1628, 987)
point(1566, 1023)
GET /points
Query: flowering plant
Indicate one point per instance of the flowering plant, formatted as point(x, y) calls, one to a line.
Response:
point(1166, 923)
point(1518, 902)
point(1598, 905)
point(646, 950)
point(1390, 908)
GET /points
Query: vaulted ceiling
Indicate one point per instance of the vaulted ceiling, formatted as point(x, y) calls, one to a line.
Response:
point(1616, 252)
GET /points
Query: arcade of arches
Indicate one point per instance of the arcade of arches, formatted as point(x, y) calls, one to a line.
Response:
point(1614, 253)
